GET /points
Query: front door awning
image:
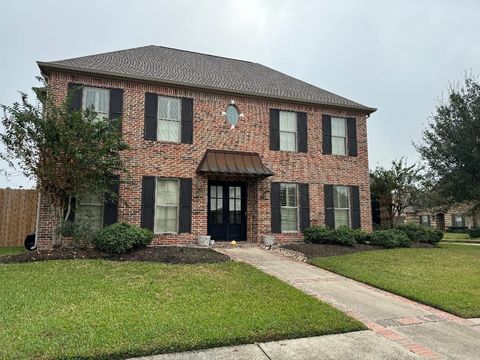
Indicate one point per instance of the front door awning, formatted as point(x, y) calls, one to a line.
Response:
point(232, 162)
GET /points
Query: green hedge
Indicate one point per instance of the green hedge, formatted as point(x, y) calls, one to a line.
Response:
point(390, 238)
point(474, 233)
point(341, 236)
point(419, 233)
point(122, 238)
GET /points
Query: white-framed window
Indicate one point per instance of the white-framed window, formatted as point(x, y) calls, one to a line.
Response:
point(339, 136)
point(288, 131)
point(458, 220)
point(90, 209)
point(425, 220)
point(166, 206)
point(97, 99)
point(169, 115)
point(341, 205)
point(289, 207)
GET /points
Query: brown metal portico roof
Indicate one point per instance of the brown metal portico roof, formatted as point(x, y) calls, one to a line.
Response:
point(232, 162)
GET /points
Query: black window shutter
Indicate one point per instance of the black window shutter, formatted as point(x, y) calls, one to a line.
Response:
point(327, 134)
point(185, 218)
point(274, 129)
point(276, 217)
point(420, 219)
point(355, 207)
point(150, 125)
point(329, 210)
point(187, 121)
point(302, 132)
point(304, 206)
point(352, 136)
point(75, 92)
point(116, 105)
point(148, 202)
point(110, 208)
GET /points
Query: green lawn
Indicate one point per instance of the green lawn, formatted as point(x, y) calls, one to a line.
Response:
point(447, 278)
point(4, 251)
point(105, 309)
point(458, 237)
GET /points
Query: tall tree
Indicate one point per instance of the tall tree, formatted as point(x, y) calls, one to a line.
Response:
point(451, 145)
point(396, 188)
point(67, 152)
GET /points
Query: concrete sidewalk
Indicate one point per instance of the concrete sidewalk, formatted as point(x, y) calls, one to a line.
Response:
point(363, 345)
point(416, 328)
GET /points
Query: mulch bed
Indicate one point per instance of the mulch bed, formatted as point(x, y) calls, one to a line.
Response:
point(323, 250)
point(162, 254)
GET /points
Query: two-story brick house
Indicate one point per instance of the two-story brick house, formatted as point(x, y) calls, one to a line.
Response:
point(218, 146)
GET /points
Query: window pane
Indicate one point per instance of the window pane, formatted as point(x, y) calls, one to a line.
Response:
point(339, 127)
point(283, 194)
point(98, 99)
point(292, 195)
point(289, 219)
point(340, 197)
point(288, 141)
point(341, 218)
point(339, 145)
point(168, 108)
point(288, 121)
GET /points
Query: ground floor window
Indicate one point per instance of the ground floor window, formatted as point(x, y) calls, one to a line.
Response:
point(341, 204)
point(166, 206)
point(458, 220)
point(289, 207)
point(425, 220)
point(90, 209)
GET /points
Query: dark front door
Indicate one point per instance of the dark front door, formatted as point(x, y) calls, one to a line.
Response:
point(227, 218)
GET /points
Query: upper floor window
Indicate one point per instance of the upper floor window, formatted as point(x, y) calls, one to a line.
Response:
point(288, 131)
point(289, 207)
point(339, 136)
point(169, 117)
point(166, 206)
point(341, 205)
point(97, 99)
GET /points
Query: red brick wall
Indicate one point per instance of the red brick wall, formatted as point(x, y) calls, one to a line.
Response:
point(211, 131)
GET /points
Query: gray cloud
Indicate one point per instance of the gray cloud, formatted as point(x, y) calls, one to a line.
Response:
point(396, 56)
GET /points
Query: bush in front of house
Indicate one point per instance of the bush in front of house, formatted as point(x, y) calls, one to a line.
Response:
point(474, 233)
point(361, 236)
point(457, 229)
point(419, 233)
point(321, 235)
point(390, 238)
point(316, 234)
point(122, 238)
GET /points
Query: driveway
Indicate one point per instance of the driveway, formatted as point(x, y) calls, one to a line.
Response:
point(407, 325)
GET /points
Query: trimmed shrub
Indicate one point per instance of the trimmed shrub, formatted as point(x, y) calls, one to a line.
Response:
point(321, 235)
point(316, 235)
point(361, 236)
point(122, 238)
point(474, 233)
point(457, 229)
point(342, 236)
point(419, 233)
point(390, 238)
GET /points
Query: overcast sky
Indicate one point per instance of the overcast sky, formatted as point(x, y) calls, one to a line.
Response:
point(396, 56)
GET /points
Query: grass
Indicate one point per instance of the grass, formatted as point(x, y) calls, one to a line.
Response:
point(458, 237)
point(4, 251)
point(92, 309)
point(447, 278)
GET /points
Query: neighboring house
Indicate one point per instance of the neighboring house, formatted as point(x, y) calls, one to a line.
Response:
point(218, 146)
point(455, 217)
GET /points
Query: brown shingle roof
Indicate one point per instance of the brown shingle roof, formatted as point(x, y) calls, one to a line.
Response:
point(191, 69)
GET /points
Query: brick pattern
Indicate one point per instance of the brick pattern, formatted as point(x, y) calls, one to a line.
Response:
point(211, 131)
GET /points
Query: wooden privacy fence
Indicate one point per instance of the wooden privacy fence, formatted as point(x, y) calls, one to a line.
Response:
point(18, 212)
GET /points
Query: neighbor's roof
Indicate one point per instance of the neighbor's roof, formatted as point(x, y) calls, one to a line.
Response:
point(190, 69)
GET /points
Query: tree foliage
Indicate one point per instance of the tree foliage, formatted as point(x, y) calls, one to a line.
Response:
point(67, 152)
point(396, 188)
point(451, 145)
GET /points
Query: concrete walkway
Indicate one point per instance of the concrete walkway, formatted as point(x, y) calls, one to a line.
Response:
point(405, 325)
point(366, 344)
